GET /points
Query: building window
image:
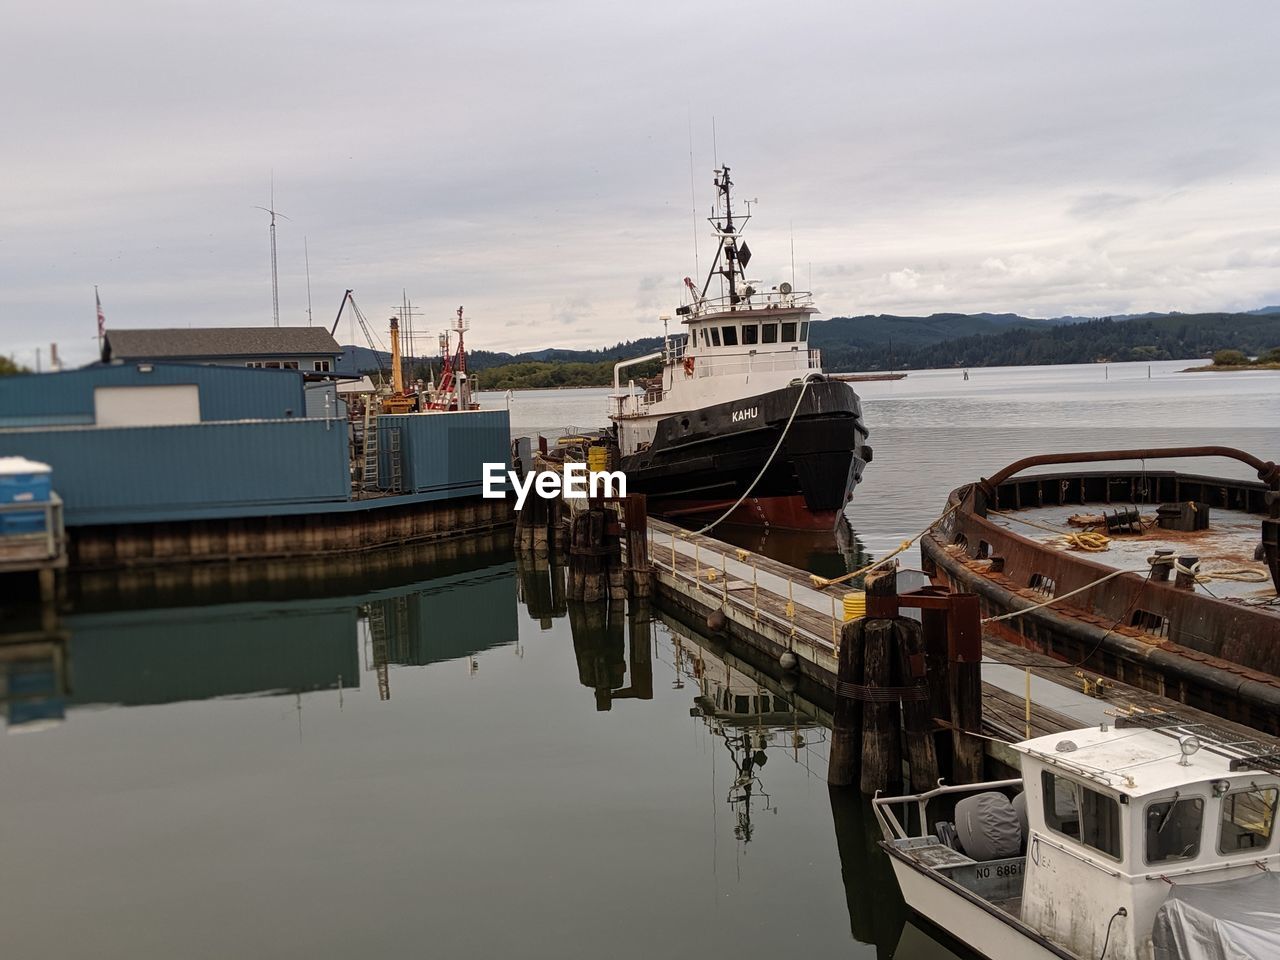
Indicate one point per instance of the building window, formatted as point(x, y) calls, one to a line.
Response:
point(730, 336)
point(1248, 818)
point(750, 334)
point(272, 364)
point(788, 333)
point(1084, 815)
point(715, 336)
point(769, 332)
point(256, 364)
point(1173, 829)
point(322, 366)
point(290, 364)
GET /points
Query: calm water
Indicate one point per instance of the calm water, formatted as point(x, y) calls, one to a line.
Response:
point(450, 761)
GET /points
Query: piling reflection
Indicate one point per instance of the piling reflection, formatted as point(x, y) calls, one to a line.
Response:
point(613, 650)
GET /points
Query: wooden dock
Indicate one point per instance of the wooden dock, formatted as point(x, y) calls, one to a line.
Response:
point(774, 609)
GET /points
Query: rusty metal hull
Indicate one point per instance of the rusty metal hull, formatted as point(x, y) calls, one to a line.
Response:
point(1213, 654)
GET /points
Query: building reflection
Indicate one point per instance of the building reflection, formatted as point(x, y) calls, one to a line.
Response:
point(449, 618)
point(33, 679)
point(253, 648)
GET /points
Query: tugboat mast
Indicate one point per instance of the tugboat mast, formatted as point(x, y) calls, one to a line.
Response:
point(728, 234)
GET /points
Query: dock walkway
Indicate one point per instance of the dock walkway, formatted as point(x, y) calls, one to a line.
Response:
point(778, 608)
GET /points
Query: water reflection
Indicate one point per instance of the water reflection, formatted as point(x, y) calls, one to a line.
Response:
point(622, 774)
point(33, 679)
point(826, 553)
point(254, 648)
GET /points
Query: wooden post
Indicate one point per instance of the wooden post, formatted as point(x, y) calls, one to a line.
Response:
point(917, 717)
point(881, 752)
point(936, 661)
point(844, 763)
point(640, 573)
point(964, 642)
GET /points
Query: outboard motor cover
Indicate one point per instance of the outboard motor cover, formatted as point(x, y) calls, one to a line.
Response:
point(988, 826)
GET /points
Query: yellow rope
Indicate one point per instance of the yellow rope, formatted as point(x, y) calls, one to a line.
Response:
point(1093, 542)
point(821, 582)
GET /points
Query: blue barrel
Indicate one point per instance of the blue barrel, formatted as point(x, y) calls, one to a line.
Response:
point(23, 481)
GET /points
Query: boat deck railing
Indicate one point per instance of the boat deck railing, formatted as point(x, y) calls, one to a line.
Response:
point(798, 360)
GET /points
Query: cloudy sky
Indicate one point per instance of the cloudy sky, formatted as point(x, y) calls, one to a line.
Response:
point(531, 159)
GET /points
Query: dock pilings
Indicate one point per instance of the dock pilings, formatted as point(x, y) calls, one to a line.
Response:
point(900, 683)
point(592, 534)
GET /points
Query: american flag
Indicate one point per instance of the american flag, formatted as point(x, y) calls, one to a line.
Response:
point(102, 320)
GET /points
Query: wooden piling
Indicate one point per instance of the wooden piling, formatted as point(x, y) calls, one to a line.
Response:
point(636, 521)
point(964, 642)
point(881, 754)
point(917, 717)
point(844, 762)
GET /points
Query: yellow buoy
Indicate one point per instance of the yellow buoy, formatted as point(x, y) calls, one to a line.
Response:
point(855, 605)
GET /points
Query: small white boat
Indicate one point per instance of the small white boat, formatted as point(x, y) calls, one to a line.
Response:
point(1153, 839)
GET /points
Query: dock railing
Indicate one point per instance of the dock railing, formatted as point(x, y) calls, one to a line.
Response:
point(707, 567)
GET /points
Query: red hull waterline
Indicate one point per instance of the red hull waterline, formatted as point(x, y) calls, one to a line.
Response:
point(783, 513)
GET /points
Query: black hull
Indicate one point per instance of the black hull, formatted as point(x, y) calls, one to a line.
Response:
point(705, 459)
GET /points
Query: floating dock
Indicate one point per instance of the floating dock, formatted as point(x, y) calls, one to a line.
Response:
point(765, 609)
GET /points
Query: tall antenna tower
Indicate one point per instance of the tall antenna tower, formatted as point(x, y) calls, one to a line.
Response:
point(275, 277)
point(306, 257)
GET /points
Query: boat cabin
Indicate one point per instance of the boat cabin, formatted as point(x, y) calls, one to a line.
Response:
point(1115, 838)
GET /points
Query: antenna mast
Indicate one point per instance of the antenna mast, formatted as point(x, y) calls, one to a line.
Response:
point(275, 277)
point(306, 256)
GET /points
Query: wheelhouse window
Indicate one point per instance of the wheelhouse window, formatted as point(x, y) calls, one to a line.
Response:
point(730, 336)
point(789, 333)
point(1173, 828)
point(1084, 815)
point(768, 333)
point(1248, 819)
point(750, 334)
point(804, 330)
point(715, 336)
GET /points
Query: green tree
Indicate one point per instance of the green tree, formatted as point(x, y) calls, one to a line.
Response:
point(8, 367)
point(1229, 358)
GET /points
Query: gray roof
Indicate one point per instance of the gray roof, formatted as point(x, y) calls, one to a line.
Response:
point(221, 342)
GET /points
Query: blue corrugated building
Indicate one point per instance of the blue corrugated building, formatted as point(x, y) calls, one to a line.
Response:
point(138, 443)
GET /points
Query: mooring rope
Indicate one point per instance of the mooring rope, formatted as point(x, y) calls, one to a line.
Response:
point(1052, 600)
point(804, 385)
point(821, 582)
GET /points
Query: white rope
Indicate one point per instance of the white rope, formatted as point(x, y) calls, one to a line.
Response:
point(804, 385)
point(1018, 613)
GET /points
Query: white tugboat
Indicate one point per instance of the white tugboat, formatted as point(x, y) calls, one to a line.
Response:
point(742, 420)
point(1151, 840)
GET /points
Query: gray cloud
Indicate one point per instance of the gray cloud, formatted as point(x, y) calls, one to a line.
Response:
point(517, 158)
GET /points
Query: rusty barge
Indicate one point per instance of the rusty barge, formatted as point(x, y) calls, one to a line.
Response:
point(1163, 580)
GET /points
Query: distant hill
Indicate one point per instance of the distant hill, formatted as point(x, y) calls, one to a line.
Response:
point(1174, 336)
point(886, 341)
point(362, 359)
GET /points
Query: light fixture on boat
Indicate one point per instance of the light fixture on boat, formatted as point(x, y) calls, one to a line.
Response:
point(784, 288)
point(1188, 744)
point(1220, 788)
